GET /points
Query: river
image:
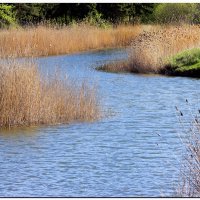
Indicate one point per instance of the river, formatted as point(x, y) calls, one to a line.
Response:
point(135, 150)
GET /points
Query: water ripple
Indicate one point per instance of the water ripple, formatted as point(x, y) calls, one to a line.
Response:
point(119, 156)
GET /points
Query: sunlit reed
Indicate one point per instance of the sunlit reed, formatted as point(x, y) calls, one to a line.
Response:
point(44, 41)
point(29, 98)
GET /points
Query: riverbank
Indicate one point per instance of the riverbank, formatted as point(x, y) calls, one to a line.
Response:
point(52, 40)
point(27, 98)
point(130, 102)
point(163, 50)
point(186, 63)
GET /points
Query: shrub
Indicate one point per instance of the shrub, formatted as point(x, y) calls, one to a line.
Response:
point(176, 13)
point(7, 17)
point(94, 18)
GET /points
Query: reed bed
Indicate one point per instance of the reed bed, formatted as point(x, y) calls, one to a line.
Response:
point(29, 98)
point(151, 51)
point(45, 40)
point(115, 67)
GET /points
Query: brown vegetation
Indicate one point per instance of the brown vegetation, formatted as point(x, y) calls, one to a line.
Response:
point(44, 41)
point(150, 52)
point(27, 98)
point(120, 66)
point(190, 173)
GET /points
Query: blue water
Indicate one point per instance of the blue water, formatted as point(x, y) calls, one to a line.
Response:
point(135, 151)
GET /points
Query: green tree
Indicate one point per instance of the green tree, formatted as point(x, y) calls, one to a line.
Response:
point(7, 16)
point(29, 12)
point(125, 12)
point(99, 13)
point(143, 11)
point(176, 13)
point(113, 12)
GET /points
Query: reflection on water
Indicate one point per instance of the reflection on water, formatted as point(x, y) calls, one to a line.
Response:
point(18, 131)
point(135, 151)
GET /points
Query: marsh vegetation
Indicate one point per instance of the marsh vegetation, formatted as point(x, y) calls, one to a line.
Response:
point(51, 40)
point(155, 51)
point(189, 185)
point(157, 42)
point(29, 98)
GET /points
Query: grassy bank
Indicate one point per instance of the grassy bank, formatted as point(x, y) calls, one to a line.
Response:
point(45, 41)
point(27, 98)
point(154, 51)
point(186, 63)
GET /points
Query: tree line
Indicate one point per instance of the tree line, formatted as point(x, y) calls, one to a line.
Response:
point(97, 13)
point(26, 13)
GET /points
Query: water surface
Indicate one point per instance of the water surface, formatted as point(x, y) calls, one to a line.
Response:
point(136, 151)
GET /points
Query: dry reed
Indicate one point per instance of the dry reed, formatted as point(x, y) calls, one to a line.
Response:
point(189, 185)
point(28, 98)
point(120, 66)
point(149, 53)
point(44, 41)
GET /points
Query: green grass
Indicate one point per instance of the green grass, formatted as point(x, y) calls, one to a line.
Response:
point(186, 63)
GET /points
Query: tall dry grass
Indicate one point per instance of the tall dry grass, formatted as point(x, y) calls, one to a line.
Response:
point(149, 53)
point(116, 66)
point(189, 185)
point(44, 41)
point(28, 98)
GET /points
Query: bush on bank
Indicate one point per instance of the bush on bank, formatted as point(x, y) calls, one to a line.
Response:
point(186, 63)
point(7, 16)
point(176, 13)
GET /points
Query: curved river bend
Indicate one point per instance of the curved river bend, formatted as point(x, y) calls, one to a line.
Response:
point(136, 151)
